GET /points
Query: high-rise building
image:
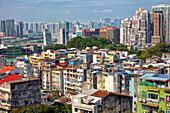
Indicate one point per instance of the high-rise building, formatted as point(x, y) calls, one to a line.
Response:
point(3, 26)
point(117, 23)
point(101, 20)
point(41, 29)
point(107, 20)
point(63, 28)
point(19, 29)
point(136, 31)
point(125, 30)
point(46, 26)
point(62, 37)
point(25, 26)
point(111, 33)
point(10, 27)
point(52, 27)
point(157, 28)
point(47, 38)
point(31, 26)
point(165, 11)
point(35, 28)
point(91, 24)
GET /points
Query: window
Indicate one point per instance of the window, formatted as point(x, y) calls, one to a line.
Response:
point(76, 110)
point(144, 107)
point(144, 94)
point(8, 102)
point(168, 98)
point(3, 93)
point(152, 96)
point(167, 110)
point(2, 101)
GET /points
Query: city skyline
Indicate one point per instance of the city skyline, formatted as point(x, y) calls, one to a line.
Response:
point(72, 10)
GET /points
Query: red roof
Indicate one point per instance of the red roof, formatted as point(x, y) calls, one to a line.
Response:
point(63, 64)
point(6, 68)
point(100, 93)
point(113, 50)
point(168, 80)
point(87, 51)
point(10, 78)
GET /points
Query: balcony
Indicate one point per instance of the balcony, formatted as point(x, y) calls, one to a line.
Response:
point(167, 104)
point(153, 101)
point(167, 89)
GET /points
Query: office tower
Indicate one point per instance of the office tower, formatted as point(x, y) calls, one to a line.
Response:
point(91, 24)
point(19, 29)
point(25, 26)
point(157, 28)
point(117, 23)
point(56, 27)
point(52, 27)
point(25, 30)
point(31, 26)
point(95, 25)
point(3, 26)
point(35, 28)
point(46, 26)
point(101, 20)
point(41, 29)
point(47, 37)
point(107, 20)
point(63, 37)
point(165, 11)
point(10, 27)
point(16, 30)
point(63, 28)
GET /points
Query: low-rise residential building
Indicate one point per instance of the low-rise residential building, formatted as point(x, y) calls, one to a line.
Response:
point(154, 93)
point(73, 79)
point(25, 66)
point(35, 60)
point(98, 101)
point(17, 91)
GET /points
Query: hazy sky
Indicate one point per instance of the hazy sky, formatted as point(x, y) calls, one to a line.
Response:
point(71, 10)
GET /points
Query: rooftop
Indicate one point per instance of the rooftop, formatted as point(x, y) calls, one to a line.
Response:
point(6, 68)
point(158, 77)
point(10, 78)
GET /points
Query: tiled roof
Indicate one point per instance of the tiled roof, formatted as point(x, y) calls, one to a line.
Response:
point(6, 68)
point(100, 93)
point(10, 78)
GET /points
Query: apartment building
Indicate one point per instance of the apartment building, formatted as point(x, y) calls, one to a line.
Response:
point(35, 60)
point(13, 93)
point(153, 93)
point(73, 79)
point(98, 101)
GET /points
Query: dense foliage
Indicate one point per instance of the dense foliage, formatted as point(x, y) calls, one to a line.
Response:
point(56, 46)
point(156, 50)
point(82, 43)
point(56, 108)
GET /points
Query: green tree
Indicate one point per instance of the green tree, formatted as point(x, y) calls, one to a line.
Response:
point(150, 66)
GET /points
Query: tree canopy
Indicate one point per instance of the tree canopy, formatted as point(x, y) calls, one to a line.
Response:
point(82, 43)
point(156, 50)
point(56, 108)
point(56, 46)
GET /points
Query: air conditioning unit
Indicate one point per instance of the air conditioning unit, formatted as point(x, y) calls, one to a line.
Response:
point(140, 99)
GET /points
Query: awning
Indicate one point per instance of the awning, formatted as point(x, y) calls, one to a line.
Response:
point(153, 89)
